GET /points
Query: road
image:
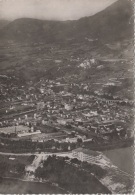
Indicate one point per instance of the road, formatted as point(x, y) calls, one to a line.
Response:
point(115, 59)
point(41, 154)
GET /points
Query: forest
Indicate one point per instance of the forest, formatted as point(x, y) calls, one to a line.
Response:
point(72, 175)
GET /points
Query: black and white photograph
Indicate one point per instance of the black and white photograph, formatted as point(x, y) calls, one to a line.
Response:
point(67, 96)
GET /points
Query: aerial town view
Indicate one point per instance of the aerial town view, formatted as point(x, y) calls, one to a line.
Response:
point(66, 97)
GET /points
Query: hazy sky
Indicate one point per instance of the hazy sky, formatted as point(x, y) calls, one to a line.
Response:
point(51, 9)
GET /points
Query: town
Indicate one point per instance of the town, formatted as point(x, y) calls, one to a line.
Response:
point(66, 97)
point(65, 112)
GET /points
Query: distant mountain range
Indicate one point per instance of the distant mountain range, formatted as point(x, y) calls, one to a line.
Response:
point(115, 23)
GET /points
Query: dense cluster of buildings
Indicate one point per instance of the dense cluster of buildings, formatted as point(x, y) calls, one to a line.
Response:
point(54, 106)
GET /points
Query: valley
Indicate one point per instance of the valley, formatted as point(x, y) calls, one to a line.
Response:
point(67, 102)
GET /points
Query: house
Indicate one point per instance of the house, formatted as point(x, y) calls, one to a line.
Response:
point(61, 121)
point(68, 107)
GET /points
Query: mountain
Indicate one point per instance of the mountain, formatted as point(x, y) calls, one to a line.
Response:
point(3, 23)
point(27, 29)
point(112, 24)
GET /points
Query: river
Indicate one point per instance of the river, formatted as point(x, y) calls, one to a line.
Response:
point(123, 158)
point(11, 186)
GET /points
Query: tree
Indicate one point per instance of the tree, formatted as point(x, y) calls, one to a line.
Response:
point(39, 172)
point(111, 90)
point(75, 161)
point(79, 141)
point(3, 167)
point(1, 179)
point(20, 168)
point(31, 158)
point(65, 146)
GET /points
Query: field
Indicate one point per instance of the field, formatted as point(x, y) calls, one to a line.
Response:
point(15, 159)
point(14, 166)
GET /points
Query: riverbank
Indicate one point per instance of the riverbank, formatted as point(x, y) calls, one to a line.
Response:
point(111, 146)
point(88, 145)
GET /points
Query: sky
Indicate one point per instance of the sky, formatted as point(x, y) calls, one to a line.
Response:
point(51, 9)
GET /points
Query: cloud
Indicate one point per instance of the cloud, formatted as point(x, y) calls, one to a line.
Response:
point(51, 9)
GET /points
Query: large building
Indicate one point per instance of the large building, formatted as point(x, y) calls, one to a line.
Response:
point(28, 134)
point(86, 155)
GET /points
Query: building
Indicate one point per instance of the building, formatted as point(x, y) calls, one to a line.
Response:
point(61, 121)
point(40, 105)
point(86, 155)
point(71, 140)
point(27, 134)
point(68, 107)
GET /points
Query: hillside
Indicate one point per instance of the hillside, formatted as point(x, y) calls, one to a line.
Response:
point(3, 23)
point(111, 24)
point(31, 49)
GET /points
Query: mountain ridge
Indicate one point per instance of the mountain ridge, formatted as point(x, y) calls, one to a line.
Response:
point(111, 24)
